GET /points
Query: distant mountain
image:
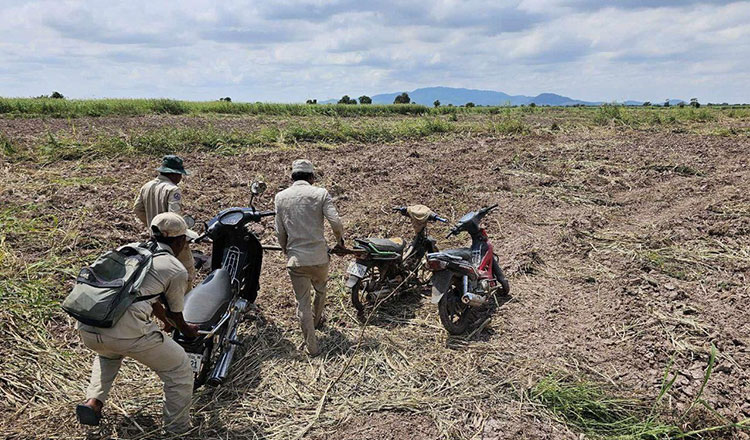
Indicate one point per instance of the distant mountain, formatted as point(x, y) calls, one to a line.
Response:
point(457, 96)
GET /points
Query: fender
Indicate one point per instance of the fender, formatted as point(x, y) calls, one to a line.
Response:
point(352, 281)
point(441, 282)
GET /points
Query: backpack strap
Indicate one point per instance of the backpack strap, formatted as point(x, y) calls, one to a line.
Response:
point(147, 297)
point(154, 253)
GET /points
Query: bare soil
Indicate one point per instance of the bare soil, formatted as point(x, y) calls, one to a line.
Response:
point(626, 250)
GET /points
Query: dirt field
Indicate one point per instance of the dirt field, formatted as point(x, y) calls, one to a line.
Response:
point(627, 252)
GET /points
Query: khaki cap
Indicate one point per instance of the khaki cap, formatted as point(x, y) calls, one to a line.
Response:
point(302, 166)
point(169, 225)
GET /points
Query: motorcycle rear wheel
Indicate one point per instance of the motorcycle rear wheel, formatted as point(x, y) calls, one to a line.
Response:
point(359, 295)
point(453, 313)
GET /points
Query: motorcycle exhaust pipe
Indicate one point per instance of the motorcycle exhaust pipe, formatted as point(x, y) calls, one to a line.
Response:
point(473, 299)
point(221, 370)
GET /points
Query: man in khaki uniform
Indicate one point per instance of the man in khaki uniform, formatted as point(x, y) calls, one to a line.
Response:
point(137, 336)
point(163, 195)
point(300, 210)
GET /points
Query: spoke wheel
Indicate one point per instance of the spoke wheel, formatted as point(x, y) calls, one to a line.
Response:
point(454, 315)
point(201, 377)
point(359, 292)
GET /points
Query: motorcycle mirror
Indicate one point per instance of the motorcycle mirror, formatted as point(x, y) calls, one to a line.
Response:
point(258, 187)
point(189, 220)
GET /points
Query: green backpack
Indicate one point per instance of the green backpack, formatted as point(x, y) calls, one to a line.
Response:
point(104, 290)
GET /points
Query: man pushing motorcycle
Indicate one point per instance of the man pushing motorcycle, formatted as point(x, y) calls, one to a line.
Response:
point(300, 211)
point(137, 336)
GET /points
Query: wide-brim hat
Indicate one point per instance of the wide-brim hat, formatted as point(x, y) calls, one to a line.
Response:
point(172, 164)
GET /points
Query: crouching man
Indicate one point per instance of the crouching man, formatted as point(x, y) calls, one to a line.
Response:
point(137, 336)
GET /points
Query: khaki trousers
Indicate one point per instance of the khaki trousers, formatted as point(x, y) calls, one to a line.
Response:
point(305, 280)
point(157, 351)
point(186, 258)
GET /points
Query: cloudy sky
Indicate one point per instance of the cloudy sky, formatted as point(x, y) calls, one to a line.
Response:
point(291, 50)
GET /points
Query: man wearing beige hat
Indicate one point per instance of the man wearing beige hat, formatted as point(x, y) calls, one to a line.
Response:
point(137, 336)
point(163, 195)
point(300, 211)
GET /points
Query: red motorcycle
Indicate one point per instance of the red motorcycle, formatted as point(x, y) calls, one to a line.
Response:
point(465, 278)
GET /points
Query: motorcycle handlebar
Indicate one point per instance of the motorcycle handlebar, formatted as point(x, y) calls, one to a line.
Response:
point(488, 209)
point(266, 213)
point(200, 238)
point(403, 211)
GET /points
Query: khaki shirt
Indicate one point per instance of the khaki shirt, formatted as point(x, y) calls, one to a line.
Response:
point(157, 196)
point(168, 276)
point(300, 210)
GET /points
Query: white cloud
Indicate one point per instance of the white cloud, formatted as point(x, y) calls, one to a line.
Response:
point(293, 50)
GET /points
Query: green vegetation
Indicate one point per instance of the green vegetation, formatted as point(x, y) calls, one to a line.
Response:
point(173, 139)
point(28, 289)
point(64, 108)
point(589, 408)
point(6, 146)
point(586, 407)
point(347, 100)
point(402, 99)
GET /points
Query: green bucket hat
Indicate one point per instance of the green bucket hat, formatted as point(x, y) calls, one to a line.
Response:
point(172, 164)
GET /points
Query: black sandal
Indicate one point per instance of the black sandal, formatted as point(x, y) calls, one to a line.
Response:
point(87, 415)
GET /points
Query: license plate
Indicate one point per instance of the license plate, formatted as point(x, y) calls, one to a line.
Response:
point(356, 269)
point(195, 362)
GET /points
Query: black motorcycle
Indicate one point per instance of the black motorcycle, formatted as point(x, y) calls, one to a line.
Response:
point(467, 277)
point(383, 264)
point(218, 304)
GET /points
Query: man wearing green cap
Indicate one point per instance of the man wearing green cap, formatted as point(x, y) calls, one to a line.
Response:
point(163, 195)
point(300, 212)
point(137, 336)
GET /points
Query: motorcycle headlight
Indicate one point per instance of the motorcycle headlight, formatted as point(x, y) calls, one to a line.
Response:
point(436, 264)
point(231, 218)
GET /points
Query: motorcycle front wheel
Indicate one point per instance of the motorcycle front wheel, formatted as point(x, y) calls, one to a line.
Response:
point(453, 313)
point(202, 376)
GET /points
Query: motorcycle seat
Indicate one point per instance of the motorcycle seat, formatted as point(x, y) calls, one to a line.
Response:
point(205, 304)
point(384, 244)
point(462, 253)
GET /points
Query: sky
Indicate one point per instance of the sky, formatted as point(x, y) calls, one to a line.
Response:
point(293, 50)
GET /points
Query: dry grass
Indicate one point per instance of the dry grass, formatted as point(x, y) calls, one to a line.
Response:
point(620, 258)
